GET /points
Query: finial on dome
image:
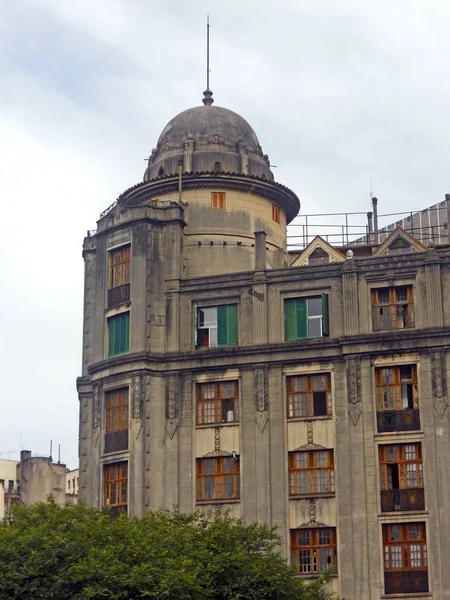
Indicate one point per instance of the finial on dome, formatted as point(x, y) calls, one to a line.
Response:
point(207, 97)
point(207, 94)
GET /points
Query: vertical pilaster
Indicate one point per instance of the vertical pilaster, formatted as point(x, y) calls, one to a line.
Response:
point(136, 446)
point(259, 290)
point(186, 458)
point(249, 455)
point(171, 495)
point(434, 289)
point(350, 302)
point(90, 267)
point(157, 430)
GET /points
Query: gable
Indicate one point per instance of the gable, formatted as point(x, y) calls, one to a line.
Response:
point(318, 252)
point(399, 242)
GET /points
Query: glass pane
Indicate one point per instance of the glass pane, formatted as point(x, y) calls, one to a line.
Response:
point(383, 296)
point(213, 336)
point(391, 453)
point(209, 465)
point(228, 465)
point(414, 532)
point(410, 452)
point(395, 532)
point(320, 404)
point(299, 384)
point(301, 459)
point(300, 406)
point(208, 487)
point(388, 398)
point(314, 307)
point(209, 390)
point(228, 487)
point(387, 376)
point(321, 458)
point(227, 389)
point(396, 557)
point(415, 555)
point(324, 537)
point(325, 559)
point(305, 561)
point(322, 481)
point(207, 317)
point(320, 382)
point(314, 327)
point(302, 482)
point(401, 294)
point(303, 537)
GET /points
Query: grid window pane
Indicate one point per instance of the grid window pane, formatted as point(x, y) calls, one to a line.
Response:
point(218, 478)
point(311, 472)
point(217, 403)
point(309, 395)
point(314, 550)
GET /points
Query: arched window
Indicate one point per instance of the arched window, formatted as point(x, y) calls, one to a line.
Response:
point(318, 257)
point(217, 167)
point(161, 172)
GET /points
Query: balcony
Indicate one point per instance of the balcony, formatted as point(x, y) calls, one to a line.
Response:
point(402, 500)
point(119, 295)
point(398, 420)
point(405, 582)
point(116, 441)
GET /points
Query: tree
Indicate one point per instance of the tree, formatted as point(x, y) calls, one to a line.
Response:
point(75, 552)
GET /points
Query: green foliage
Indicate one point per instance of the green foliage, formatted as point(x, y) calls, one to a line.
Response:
point(51, 552)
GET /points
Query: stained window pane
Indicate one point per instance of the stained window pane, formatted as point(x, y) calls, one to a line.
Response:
point(209, 465)
point(228, 465)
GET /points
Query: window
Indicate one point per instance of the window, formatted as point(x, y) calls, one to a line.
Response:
point(397, 398)
point(397, 387)
point(392, 308)
point(405, 558)
point(119, 334)
point(119, 276)
point(218, 478)
point(218, 200)
point(309, 395)
point(314, 550)
point(311, 473)
point(275, 213)
point(116, 486)
point(10, 484)
point(217, 167)
point(217, 403)
point(119, 266)
point(216, 326)
point(318, 257)
point(401, 477)
point(399, 246)
point(116, 432)
point(306, 317)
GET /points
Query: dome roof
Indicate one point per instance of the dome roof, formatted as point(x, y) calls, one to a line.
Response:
point(208, 138)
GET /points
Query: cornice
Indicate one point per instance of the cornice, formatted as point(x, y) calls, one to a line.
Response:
point(273, 191)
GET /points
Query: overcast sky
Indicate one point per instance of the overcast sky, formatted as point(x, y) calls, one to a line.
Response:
point(339, 92)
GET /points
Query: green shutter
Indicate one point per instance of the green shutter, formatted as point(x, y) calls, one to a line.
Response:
point(302, 318)
point(227, 325)
point(222, 325)
point(290, 319)
point(232, 325)
point(119, 334)
point(325, 316)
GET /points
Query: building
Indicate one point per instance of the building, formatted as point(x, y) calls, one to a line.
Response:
point(33, 479)
point(306, 390)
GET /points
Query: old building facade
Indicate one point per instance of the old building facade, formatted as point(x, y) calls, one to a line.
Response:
point(306, 390)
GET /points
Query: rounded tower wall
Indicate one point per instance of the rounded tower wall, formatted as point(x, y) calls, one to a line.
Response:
point(220, 238)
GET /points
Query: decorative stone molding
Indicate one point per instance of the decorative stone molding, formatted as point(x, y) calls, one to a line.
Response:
point(137, 397)
point(309, 433)
point(97, 405)
point(439, 383)
point(353, 368)
point(172, 403)
point(217, 448)
point(261, 399)
point(312, 512)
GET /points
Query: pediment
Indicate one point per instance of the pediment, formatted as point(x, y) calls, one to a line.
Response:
point(318, 248)
point(399, 242)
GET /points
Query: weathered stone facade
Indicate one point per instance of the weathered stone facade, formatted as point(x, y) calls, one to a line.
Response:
point(185, 255)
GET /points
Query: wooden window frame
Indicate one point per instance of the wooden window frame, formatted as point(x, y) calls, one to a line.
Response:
point(312, 471)
point(400, 313)
point(116, 413)
point(396, 385)
point(218, 200)
point(116, 485)
point(219, 476)
point(292, 411)
point(403, 462)
point(403, 548)
point(298, 320)
point(306, 558)
point(214, 406)
point(119, 266)
point(276, 213)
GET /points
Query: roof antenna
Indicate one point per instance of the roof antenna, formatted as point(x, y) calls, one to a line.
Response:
point(207, 94)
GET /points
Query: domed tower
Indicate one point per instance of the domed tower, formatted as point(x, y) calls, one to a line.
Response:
point(210, 161)
point(175, 269)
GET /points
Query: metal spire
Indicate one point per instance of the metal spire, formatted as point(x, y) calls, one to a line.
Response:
point(207, 94)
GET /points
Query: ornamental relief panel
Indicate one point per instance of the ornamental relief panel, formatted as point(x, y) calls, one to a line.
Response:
point(353, 371)
point(439, 383)
point(260, 375)
point(172, 403)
